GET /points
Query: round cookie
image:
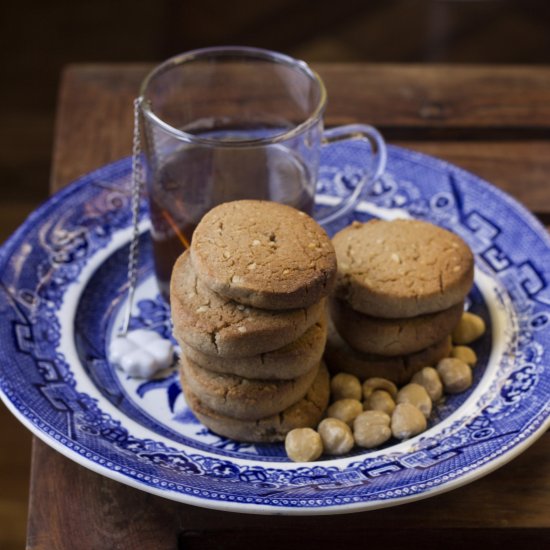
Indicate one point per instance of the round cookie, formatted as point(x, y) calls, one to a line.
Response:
point(244, 398)
point(264, 254)
point(400, 369)
point(401, 268)
point(306, 413)
point(284, 363)
point(219, 326)
point(391, 337)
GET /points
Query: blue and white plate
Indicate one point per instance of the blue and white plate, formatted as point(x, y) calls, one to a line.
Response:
point(62, 293)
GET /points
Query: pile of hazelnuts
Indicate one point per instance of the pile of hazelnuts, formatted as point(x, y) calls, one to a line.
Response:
point(367, 415)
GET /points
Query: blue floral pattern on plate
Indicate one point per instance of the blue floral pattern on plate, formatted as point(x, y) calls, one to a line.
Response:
point(62, 291)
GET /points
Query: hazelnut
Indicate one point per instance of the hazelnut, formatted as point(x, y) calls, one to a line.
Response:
point(303, 445)
point(416, 395)
point(466, 354)
point(430, 380)
point(345, 386)
point(336, 436)
point(455, 374)
point(379, 400)
point(345, 410)
point(371, 428)
point(470, 328)
point(407, 421)
point(372, 384)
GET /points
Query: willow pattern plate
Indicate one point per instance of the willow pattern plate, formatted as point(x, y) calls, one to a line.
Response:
point(62, 293)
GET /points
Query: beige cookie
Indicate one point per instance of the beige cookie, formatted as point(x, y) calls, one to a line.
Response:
point(306, 413)
point(219, 326)
point(401, 268)
point(264, 254)
point(393, 336)
point(244, 398)
point(284, 363)
point(400, 369)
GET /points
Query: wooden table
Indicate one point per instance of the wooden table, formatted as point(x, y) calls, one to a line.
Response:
point(492, 121)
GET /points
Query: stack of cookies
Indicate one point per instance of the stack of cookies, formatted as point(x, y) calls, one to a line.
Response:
point(248, 307)
point(399, 294)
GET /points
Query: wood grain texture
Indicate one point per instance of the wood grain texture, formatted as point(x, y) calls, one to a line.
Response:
point(72, 507)
point(94, 124)
point(439, 96)
point(14, 475)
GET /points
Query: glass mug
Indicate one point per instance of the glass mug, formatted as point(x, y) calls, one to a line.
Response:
point(228, 123)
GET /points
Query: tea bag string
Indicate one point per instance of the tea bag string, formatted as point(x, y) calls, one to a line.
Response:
point(136, 186)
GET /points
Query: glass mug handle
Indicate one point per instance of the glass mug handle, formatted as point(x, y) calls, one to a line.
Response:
point(377, 163)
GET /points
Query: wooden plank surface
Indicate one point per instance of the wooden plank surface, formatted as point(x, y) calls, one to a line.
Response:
point(72, 507)
point(14, 474)
point(476, 99)
point(95, 118)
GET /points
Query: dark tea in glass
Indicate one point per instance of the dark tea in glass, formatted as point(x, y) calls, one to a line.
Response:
point(229, 123)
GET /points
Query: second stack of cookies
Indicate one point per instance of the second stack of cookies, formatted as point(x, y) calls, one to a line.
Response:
point(248, 309)
point(399, 295)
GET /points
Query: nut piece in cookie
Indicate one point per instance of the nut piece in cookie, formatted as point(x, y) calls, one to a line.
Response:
point(264, 254)
point(401, 268)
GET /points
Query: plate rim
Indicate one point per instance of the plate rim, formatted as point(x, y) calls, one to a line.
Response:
point(263, 509)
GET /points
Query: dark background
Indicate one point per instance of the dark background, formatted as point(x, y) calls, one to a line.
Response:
point(39, 38)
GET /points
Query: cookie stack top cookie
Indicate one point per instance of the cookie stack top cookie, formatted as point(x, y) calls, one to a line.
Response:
point(264, 254)
point(402, 268)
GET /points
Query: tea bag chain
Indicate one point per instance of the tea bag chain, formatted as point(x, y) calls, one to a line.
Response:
point(143, 352)
point(136, 187)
